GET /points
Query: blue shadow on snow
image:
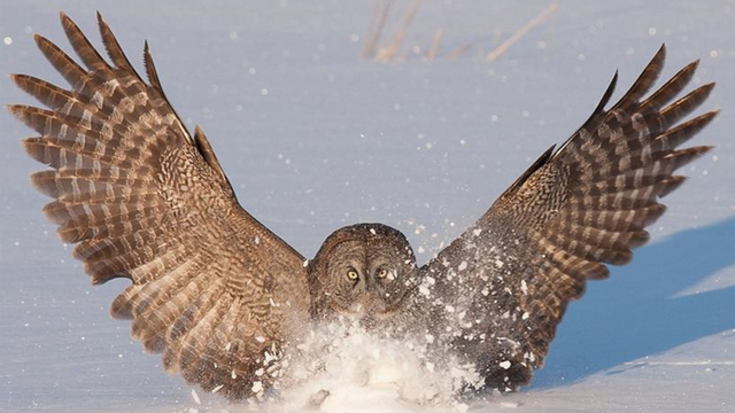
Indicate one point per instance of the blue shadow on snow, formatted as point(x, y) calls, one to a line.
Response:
point(635, 313)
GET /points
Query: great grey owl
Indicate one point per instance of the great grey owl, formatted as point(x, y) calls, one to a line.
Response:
point(223, 298)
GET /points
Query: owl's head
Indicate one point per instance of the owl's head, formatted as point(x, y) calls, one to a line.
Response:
point(365, 271)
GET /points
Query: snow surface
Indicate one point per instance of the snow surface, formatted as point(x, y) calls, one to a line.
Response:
point(280, 91)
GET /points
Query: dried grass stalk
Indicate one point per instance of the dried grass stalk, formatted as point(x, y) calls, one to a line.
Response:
point(375, 30)
point(436, 44)
point(385, 54)
point(500, 50)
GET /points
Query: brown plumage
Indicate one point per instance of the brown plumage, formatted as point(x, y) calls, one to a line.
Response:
point(212, 288)
point(574, 210)
point(223, 298)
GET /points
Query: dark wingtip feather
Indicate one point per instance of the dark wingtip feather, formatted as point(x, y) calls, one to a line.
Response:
point(23, 82)
point(146, 51)
point(602, 273)
point(645, 80)
point(639, 239)
point(73, 235)
point(605, 97)
point(658, 58)
point(19, 111)
point(9, 107)
point(50, 95)
point(707, 88)
point(65, 65)
point(671, 184)
point(671, 88)
point(154, 345)
point(150, 68)
point(65, 19)
point(104, 32)
point(16, 78)
point(45, 183)
point(695, 64)
point(653, 214)
point(33, 117)
point(660, 55)
point(608, 94)
point(684, 106)
point(691, 68)
point(56, 213)
point(114, 50)
point(120, 308)
point(43, 43)
point(622, 258)
point(705, 119)
point(34, 150)
point(684, 156)
point(81, 44)
point(101, 275)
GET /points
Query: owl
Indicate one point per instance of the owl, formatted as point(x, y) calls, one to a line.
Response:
point(225, 300)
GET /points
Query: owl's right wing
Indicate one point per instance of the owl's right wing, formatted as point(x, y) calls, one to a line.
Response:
point(212, 288)
point(510, 276)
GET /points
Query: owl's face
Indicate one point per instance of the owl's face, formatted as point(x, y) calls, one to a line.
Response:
point(367, 271)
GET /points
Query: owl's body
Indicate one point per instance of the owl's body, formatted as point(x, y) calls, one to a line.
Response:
point(225, 299)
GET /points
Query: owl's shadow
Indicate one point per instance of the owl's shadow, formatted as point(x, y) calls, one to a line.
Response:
point(638, 313)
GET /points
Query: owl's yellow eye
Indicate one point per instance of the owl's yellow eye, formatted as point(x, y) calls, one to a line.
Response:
point(382, 273)
point(352, 275)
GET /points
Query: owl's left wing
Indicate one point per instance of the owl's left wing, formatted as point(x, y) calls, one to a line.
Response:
point(213, 289)
point(508, 279)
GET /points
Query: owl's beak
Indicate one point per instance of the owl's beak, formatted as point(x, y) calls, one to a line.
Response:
point(368, 308)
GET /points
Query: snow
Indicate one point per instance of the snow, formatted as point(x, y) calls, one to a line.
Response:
point(314, 139)
point(357, 371)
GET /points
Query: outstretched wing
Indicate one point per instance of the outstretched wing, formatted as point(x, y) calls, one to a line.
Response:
point(574, 210)
point(212, 288)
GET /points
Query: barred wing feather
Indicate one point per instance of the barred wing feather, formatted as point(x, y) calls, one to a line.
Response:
point(212, 288)
point(574, 210)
